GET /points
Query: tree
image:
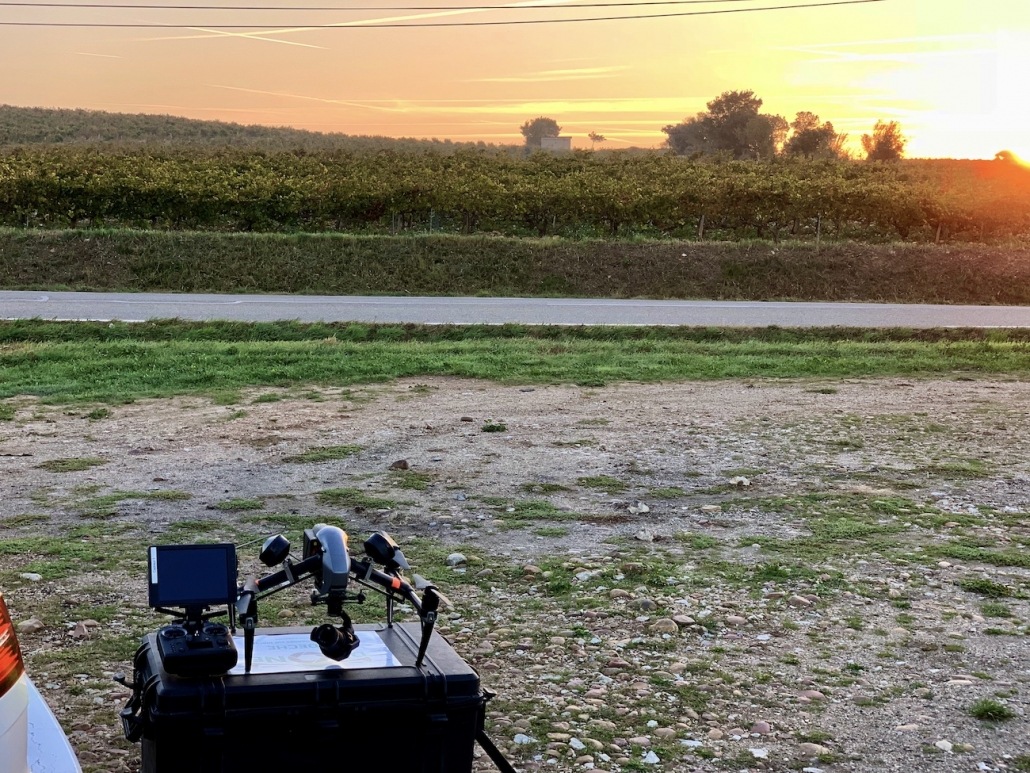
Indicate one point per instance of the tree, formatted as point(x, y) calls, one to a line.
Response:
point(886, 143)
point(811, 139)
point(538, 128)
point(732, 124)
point(594, 138)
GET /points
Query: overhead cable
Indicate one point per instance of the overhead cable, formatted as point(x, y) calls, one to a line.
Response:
point(366, 25)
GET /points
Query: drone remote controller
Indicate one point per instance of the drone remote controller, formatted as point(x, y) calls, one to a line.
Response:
point(196, 651)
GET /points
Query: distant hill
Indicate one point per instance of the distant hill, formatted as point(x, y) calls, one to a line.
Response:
point(47, 126)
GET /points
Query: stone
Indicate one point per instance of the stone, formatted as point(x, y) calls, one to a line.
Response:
point(665, 625)
point(944, 745)
point(651, 759)
point(31, 625)
point(812, 695)
point(456, 559)
point(644, 605)
point(736, 621)
point(644, 535)
point(813, 750)
point(31, 576)
point(80, 631)
point(715, 734)
point(638, 507)
point(799, 601)
point(684, 620)
point(522, 739)
point(907, 728)
point(640, 740)
point(759, 754)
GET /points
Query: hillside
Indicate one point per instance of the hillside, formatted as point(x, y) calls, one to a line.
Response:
point(47, 126)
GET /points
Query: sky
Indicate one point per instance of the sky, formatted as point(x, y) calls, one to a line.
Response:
point(954, 73)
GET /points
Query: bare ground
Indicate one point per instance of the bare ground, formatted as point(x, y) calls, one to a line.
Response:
point(842, 565)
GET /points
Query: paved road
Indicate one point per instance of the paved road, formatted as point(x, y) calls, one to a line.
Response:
point(542, 311)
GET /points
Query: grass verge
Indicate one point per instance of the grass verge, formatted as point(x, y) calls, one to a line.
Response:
point(65, 362)
point(341, 264)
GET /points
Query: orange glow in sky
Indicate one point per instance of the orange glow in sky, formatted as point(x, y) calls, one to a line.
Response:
point(954, 73)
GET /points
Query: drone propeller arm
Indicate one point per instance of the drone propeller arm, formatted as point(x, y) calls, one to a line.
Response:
point(289, 576)
point(366, 574)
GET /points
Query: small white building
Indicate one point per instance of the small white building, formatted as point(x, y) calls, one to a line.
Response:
point(558, 144)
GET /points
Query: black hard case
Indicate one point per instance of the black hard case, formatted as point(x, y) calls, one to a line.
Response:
point(402, 718)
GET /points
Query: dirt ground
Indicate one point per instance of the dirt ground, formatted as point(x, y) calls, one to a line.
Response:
point(696, 576)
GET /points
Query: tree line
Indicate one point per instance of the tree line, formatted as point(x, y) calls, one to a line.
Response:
point(734, 126)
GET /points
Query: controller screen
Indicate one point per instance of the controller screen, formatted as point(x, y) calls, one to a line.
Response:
point(192, 575)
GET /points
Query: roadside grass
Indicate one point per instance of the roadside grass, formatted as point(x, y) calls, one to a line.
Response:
point(67, 362)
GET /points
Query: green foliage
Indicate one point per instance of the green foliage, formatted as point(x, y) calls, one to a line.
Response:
point(988, 710)
point(697, 541)
point(985, 587)
point(411, 479)
point(543, 488)
point(732, 125)
point(325, 454)
point(76, 464)
point(239, 504)
point(605, 483)
point(120, 132)
point(810, 139)
point(536, 129)
point(886, 143)
point(576, 195)
point(351, 497)
point(994, 609)
point(533, 510)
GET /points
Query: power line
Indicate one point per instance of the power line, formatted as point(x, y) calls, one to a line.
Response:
point(155, 6)
point(354, 25)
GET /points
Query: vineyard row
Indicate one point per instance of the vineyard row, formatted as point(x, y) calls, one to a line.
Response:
point(578, 195)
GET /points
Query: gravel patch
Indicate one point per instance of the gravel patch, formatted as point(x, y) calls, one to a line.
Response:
point(686, 577)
